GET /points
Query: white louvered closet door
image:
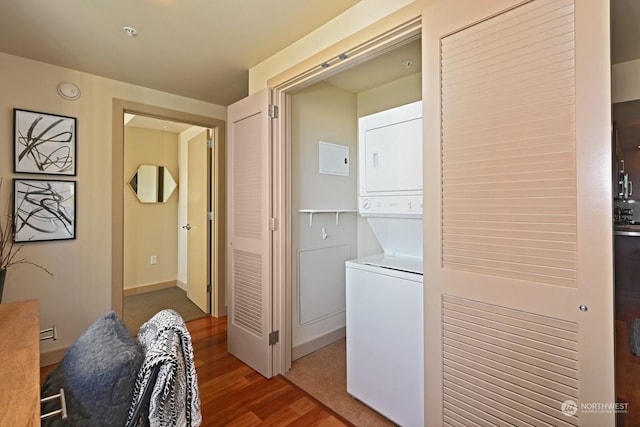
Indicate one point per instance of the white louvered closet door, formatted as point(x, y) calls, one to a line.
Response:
point(248, 232)
point(518, 255)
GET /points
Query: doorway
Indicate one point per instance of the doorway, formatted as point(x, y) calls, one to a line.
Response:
point(215, 304)
point(324, 116)
point(327, 112)
point(295, 80)
point(166, 230)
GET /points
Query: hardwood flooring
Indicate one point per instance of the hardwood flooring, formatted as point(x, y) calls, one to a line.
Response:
point(232, 394)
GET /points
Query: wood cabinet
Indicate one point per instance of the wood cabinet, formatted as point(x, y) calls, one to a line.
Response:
point(20, 366)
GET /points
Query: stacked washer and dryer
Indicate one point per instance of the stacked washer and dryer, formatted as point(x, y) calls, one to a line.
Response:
point(384, 292)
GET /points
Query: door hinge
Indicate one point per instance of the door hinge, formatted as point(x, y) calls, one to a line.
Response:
point(209, 288)
point(273, 224)
point(274, 337)
point(274, 111)
point(209, 216)
point(209, 143)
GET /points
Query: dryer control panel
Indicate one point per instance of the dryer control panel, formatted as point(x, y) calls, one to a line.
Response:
point(391, 205)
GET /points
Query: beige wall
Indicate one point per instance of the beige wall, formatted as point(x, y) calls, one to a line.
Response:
point(150, 229)
point(393, 94)
point(80, 290)
point(320, 113)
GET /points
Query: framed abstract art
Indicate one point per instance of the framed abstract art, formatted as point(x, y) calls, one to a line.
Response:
point(44, 143)
point(44, 210)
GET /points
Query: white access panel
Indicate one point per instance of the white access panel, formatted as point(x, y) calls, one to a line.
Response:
point(390, 151)
point(385, 341)
point(321, 283)
point(333, 159)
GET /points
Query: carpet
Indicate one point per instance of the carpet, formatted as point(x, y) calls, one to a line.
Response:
point(142, 307)
point(323, 374)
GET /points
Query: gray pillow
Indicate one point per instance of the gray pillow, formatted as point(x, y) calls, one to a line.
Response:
point(98, 374)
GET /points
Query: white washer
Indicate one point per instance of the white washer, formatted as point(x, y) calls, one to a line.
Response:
point(385, 336)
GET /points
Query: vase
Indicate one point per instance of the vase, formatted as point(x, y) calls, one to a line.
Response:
point(3, 274)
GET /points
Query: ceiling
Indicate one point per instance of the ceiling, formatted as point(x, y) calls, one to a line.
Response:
point(395, 64)
point(400, 62)
point(201, 49)
point(162, 125)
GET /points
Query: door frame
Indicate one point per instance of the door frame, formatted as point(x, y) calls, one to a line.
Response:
point(398, 28)
point(217, 262)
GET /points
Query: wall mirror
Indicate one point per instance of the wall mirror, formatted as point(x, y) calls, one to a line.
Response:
point(152, 184)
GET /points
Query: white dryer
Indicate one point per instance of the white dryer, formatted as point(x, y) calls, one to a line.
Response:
point(384, 292)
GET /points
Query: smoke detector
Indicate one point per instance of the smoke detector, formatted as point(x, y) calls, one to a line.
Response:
point(68, 91)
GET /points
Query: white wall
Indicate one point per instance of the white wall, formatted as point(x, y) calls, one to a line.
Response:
point(80, 290)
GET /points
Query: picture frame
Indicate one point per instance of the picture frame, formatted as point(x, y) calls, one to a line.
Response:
point(44, 210)
point(44, 143)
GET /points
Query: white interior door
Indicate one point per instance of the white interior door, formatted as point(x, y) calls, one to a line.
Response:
point(518, 252)
point(249, 233)
point(198, 230)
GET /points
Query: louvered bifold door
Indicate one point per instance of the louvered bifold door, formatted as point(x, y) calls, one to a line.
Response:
point(509, 168)
point(516, 290)
point(248, 233)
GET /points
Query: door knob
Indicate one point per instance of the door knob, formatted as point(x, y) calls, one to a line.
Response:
point(187, 227)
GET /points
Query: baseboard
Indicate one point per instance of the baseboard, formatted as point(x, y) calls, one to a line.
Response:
point(317, 343)
point(149, 288)
point(52, 357)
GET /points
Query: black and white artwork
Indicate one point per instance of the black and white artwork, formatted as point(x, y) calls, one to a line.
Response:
point(44, 210)
point(44, 143)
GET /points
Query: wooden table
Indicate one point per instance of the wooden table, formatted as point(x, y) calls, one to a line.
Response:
point(20, 364)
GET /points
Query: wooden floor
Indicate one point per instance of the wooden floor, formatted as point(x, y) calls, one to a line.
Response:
point(232, 394)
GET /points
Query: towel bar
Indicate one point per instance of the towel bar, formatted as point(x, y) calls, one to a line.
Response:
point(53, 336)
point(63, 406)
